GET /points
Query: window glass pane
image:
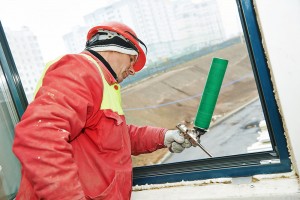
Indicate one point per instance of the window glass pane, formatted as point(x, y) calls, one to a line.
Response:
point(9, 165)
point(27, 56)
point(182, 36)
point(177, 76)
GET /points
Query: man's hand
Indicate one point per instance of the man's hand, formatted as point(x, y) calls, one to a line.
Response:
point(176, 142)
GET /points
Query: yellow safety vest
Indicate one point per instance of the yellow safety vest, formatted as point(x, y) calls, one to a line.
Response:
point(111, 93)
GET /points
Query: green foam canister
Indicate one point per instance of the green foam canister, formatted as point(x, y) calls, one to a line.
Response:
point(211, 92)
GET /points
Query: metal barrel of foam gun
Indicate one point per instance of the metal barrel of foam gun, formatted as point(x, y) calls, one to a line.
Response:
point(207, 104)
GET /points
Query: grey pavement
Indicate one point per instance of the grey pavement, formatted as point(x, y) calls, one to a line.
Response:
point(231, 136)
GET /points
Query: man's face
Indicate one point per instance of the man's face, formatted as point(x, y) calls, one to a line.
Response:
point(123, 65)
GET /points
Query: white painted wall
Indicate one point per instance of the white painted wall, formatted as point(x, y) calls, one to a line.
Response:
point(280, 28)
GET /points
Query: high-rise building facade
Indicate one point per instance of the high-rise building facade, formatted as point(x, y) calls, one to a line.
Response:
point(168, 28)
point(27, 56)
point(75, 40)
point(198, 23)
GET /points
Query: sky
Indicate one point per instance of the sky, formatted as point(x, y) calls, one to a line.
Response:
point(49, 20)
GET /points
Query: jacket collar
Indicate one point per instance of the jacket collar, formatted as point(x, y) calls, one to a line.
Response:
point(108, 73)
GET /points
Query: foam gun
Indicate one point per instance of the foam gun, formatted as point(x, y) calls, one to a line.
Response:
point(207, 104)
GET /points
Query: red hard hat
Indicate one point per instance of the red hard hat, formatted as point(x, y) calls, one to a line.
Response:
point(126, 32)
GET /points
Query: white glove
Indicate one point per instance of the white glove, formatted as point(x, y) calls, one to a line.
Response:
point(176, 142)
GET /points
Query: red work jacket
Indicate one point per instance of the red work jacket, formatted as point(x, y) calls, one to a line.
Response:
point(69, 145)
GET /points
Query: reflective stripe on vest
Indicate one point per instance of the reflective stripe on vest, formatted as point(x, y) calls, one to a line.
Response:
point(111, 93)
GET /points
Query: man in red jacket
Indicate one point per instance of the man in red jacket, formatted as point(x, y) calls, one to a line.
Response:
point(73, 141)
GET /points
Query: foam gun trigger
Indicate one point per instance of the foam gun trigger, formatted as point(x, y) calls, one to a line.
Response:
point(193, 136)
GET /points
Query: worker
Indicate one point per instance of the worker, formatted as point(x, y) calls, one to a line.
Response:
point(73, 141)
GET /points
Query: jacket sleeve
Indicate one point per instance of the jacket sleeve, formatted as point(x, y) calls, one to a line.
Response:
point(56, 116)
point(146, 139)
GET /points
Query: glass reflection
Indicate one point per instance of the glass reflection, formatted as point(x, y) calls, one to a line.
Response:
point(9, 165)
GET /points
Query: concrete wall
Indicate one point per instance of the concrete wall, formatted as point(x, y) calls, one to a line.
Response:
point(280, 28)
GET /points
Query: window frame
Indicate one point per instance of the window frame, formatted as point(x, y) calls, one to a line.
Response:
point(228, 166)
point(275, 161)
point(11, 75)
point(19, 101)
